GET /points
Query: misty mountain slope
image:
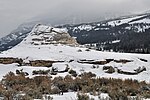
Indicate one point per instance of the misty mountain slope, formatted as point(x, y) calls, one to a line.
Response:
point(130, 32)
point(42, 44)
point(15, 37)
point(51, 19)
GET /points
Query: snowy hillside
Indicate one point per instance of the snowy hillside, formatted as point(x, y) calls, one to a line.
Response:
point(143, 18)
point(127, 30)
point(41, 44)
point(15, 37)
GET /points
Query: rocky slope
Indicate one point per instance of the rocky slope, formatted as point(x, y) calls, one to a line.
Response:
point(44, 35)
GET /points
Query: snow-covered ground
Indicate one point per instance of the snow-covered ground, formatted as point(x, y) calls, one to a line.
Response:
point(128, 20)
point(73, 96)
point(60, 52)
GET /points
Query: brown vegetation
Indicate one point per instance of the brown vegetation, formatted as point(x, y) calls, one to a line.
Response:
point(87, 83)
point(40, 72)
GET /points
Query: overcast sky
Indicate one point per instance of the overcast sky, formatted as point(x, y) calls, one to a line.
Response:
point(15, 12)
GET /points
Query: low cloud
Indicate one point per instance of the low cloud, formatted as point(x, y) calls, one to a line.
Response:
point(15, 12)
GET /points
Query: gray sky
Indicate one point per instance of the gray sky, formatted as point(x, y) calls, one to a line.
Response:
point(15, 12)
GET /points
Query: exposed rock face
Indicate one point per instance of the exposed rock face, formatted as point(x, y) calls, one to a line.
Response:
point(10, 60)
point(41, 63)
point(109, 69)
point(93, 62)
point(103, 62)
point(44, 35)
point(135, 72)
point(123, 61)
point(64, 38)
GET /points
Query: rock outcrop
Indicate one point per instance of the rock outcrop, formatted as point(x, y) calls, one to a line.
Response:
point(45, 35)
